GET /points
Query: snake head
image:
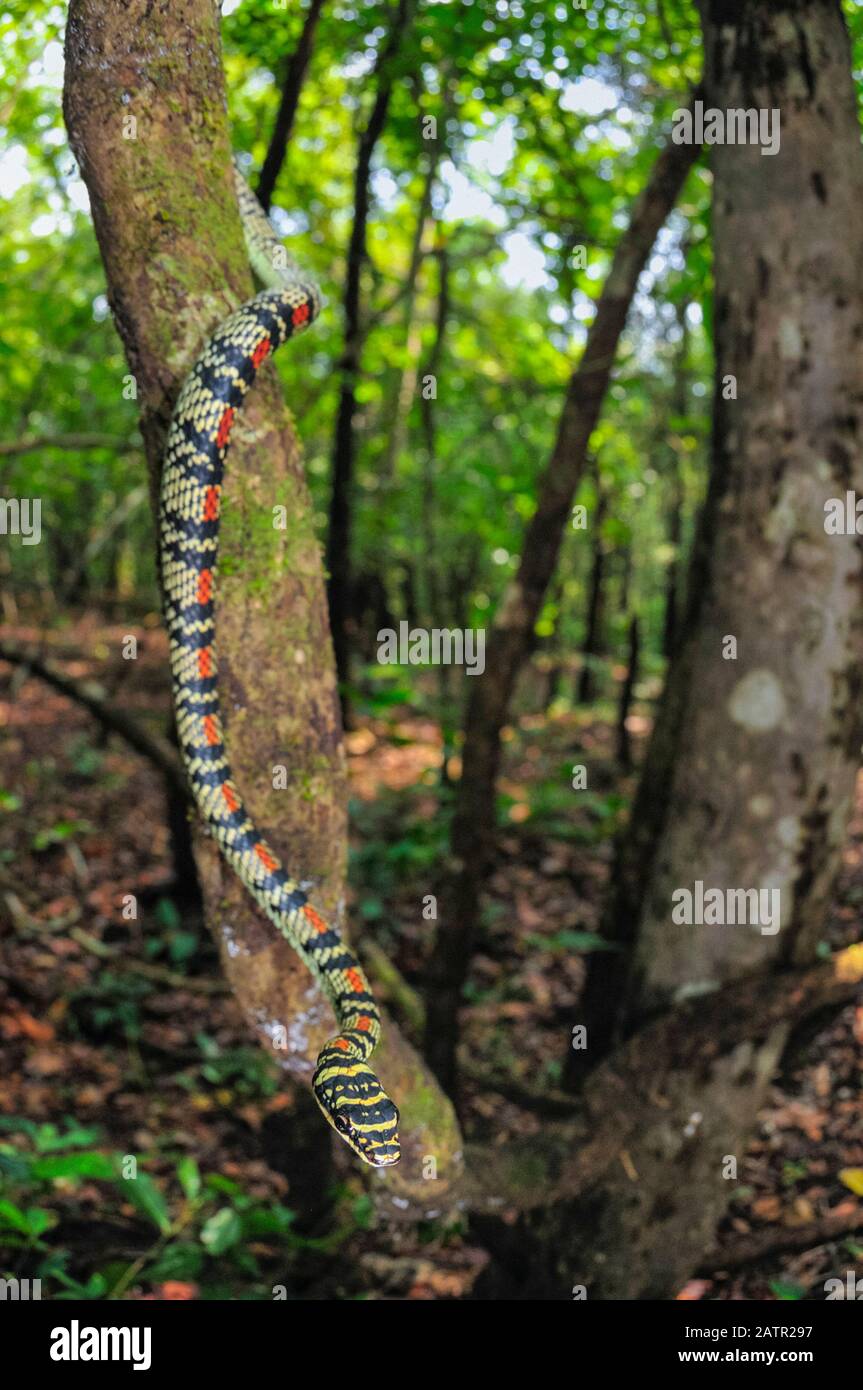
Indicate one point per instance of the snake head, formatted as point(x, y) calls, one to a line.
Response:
point(372, 1133)
point(358, 1109)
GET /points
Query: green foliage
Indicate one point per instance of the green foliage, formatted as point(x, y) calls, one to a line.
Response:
point(202, 1226)
point(787, 1291)
point(548, 119)
point(247, 1071)
point(59, 833)
point(580, 941)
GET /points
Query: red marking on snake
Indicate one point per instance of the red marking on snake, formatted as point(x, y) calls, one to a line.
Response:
point(205, 586)
point(230, 799)
point(211, 729)
point(356, 981)
point(211, 504)
point(363, 1024)
point(342, 1044)
point(266, 859)
point(261, 350)
point(205, 666)
point(225, 427)
point(317, 922)
point(300, 315)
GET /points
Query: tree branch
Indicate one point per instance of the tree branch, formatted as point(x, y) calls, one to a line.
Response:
point(641, 1084)
point(157, 750)
point(293, 85)
point(759, 1245)
point(12, 447)
point(338, 544)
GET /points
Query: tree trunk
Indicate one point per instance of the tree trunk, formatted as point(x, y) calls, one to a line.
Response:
point(169, 232)
point(756, 756)
point(338, 558)
point(593, 644)
point(674, 484)
point(290, 100)
point(624, 742)
point(400, 399)
point(512, 633)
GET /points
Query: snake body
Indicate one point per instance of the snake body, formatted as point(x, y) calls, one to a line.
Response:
point(345, 1087)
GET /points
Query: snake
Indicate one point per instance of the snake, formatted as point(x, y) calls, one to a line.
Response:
point(345, 1087)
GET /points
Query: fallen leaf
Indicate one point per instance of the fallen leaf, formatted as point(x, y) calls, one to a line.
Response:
point(768, 1208)
point(853, 1178)
point(848, 964)
point(694, 1290)
point(22, 1024)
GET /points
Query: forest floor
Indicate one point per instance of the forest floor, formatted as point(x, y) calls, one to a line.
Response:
point(117, 1037)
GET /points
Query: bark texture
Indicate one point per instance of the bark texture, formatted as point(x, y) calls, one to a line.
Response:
point(169, 232)
point(758, 756)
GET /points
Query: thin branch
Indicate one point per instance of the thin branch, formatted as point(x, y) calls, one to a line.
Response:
point(759, 1245)
point(87, 693)
point(293, 85)
point(338, 542)
point(11, 447)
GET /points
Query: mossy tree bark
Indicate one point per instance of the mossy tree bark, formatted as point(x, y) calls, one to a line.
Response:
point(145, 108)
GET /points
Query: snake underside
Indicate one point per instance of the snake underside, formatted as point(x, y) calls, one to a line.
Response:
point(345, 1087)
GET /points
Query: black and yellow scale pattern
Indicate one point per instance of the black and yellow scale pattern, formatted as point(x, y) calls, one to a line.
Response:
point(345, 1087)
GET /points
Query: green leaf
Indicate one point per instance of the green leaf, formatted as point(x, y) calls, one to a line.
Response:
point(221, 1231)
point(14, 1124)
point(32, 1222)
point(363, 1212)
point(49, 1140)
point(189, 1175)
point(216, 1183)
point(58, 833)
point(786, 1290)
point(95, 1287)
point(143, 1193)
point(12, 1216)
point(13, 1166)
point(182, 945)
point(267, 1221)
point(80, 1165)
point(167, 915)
point(181, 1260)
